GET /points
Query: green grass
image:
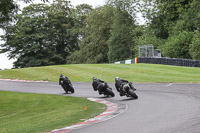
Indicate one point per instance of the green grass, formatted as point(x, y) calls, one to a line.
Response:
point(140, 73)
point(33, 113)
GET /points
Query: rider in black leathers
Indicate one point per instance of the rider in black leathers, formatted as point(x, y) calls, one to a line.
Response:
point(63, 79)
point(119, 84)
point(99, 85)
point(66, 84)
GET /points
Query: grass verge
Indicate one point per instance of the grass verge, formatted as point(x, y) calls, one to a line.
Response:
point(35, 113)
point(140, 73)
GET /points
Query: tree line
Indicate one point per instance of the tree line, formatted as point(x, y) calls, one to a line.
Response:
point(58, 33)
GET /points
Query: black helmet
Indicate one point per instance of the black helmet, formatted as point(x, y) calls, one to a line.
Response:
point(61, 75)
point(94, 78)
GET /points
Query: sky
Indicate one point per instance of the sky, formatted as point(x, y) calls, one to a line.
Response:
point(5, 63)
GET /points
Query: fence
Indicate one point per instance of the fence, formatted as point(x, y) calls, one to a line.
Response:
point(146, 51)
point(131, 61)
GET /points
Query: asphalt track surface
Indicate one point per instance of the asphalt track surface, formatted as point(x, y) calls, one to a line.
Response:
point(160, 108)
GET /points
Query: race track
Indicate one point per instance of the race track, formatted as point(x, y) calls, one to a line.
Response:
point(160, 108)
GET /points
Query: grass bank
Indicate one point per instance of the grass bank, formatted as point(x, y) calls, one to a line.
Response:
point(31, 113)
point(140, 73)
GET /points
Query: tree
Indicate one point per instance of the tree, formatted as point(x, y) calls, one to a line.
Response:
point(178, 46)
point(8, 11)
point(62, 32)
point(120, 43)
point(175, 22)
point(130, 6)
point(109, 35)
point(80, 14)
point(43, 35)
point(25, 40)
point(163, 15)
point(194, 50)
point(93, 47)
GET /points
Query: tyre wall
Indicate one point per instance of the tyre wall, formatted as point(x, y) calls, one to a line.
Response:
point(164, 61)
point(170, 61)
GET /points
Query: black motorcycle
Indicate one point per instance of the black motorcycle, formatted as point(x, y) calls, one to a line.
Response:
point(129, 91)
point(67, 87)
point(102, 87)
point(107, 91)
point(66, 84)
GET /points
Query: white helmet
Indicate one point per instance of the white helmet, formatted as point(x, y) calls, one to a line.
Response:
point(117, 78)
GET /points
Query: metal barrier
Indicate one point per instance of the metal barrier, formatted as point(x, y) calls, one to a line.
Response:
point(131, 61)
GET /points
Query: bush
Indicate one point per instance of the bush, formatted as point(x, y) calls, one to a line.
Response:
point(195, 46)
point(178, 46)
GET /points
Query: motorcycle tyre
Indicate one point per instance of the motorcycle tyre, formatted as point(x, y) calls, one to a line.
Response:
point(66, 91)
point(109, 92)
point(133, 94)
point(72, 89)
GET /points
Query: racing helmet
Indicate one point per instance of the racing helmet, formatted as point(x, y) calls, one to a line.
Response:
point(94, 78)
point(61, 75)
point(117, 78)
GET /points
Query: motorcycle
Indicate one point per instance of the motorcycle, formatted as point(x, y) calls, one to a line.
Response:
point(102, 87)
point(129, 91)
point(67, 87)
point(107, 91)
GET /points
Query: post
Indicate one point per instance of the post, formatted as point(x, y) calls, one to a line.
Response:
point(135, 60)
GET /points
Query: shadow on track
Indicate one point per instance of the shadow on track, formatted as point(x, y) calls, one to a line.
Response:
point(67, 94)
point(104, 97)
point(129, 99)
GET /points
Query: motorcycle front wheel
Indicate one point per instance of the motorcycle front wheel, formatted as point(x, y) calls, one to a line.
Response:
point(132, 93)
point(109, 92)
point(71, 89)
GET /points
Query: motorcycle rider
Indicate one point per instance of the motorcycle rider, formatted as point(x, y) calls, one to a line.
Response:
point(121, 83)
point(66, 84)
point(99, 85)
point(63, 80)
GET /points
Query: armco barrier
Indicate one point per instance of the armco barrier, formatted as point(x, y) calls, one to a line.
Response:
point(169, 61)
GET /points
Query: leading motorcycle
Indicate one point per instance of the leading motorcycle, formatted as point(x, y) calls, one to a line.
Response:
point(66, 84)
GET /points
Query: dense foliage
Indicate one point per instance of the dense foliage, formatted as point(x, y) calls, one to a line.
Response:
point(177, 25)
point(93, 47)
point(60, 33)
point(43, 35)
point(8, 11)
